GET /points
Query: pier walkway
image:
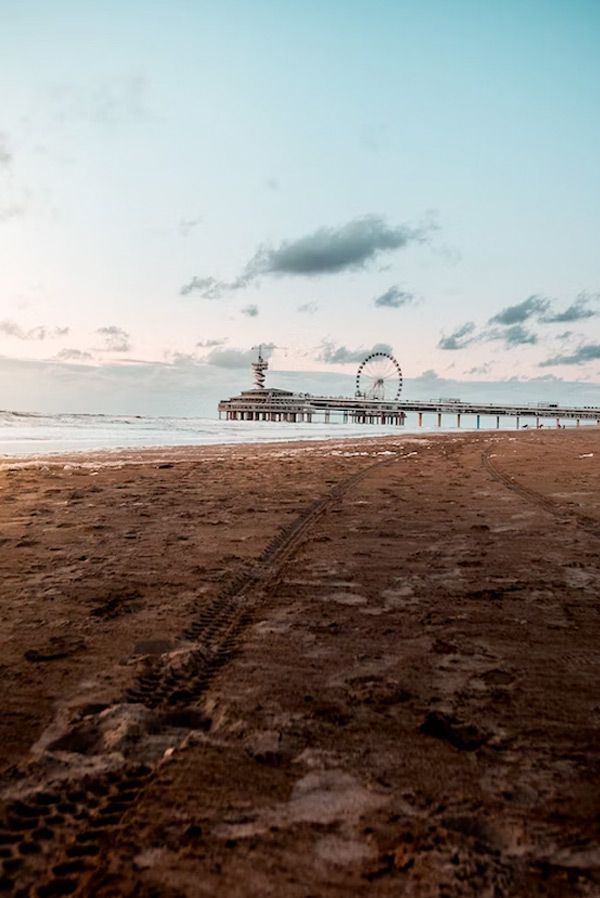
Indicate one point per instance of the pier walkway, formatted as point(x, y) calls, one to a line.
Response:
point(282, 405)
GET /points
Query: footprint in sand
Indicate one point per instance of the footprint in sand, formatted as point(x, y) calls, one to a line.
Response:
point(347, 598)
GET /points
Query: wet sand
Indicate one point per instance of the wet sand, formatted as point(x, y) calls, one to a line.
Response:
point(359, 668)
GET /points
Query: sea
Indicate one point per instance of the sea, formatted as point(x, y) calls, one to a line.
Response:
point(32, 434)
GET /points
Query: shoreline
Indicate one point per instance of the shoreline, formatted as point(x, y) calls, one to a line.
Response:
point(132, 452)
point(267, 441)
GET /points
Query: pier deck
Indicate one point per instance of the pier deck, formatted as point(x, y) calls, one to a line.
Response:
point(281, 405)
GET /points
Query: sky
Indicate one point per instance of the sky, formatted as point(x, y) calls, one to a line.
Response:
point(182, 181)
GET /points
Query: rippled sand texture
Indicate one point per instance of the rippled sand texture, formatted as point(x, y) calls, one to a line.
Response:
point(361, 668)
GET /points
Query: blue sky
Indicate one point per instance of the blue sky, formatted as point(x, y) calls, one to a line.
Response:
point(180, 181)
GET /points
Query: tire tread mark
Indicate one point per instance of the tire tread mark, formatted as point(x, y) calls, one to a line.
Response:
point(216, 629)
point(586, 522)
point(76, 843)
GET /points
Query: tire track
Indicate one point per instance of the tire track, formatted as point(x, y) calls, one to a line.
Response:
point(216, 629)
point(586, 522)
point(53, 836)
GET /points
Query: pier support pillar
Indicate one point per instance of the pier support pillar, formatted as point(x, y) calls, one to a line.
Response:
point(327, 417)
point(478, 421)
point(458, 420)
point(577, 423)
point(558, 423)
point(497, 422)
point(537, 422)
point(420, 419)
point(518, 419)
point(439, 419)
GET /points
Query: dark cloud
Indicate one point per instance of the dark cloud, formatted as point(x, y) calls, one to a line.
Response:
point(237, 358)
point(533, 306)
point(459, 338)
point(331, 250)
point(250, 311)
point(577, 311)
point(12, 329)
point(115, 339)
point(73, 355)
point(512, 332)
point(308, 308)
point(350, 247)
point(340, 355)
point(479, 369)
point(393, 298)
point(587, 352)
point(516, 335)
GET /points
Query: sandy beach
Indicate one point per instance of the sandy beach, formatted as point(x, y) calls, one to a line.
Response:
point(364, 667)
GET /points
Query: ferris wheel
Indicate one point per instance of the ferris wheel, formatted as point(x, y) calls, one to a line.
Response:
point(379, 377)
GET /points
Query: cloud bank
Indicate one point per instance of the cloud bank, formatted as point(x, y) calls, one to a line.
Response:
point(512, 332)
point(577, 311)
point(588, 352)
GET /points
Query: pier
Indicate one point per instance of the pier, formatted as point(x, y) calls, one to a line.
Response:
point(280, 405)
point(370, 405)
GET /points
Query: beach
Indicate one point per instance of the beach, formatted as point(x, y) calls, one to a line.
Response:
point(348, 667)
